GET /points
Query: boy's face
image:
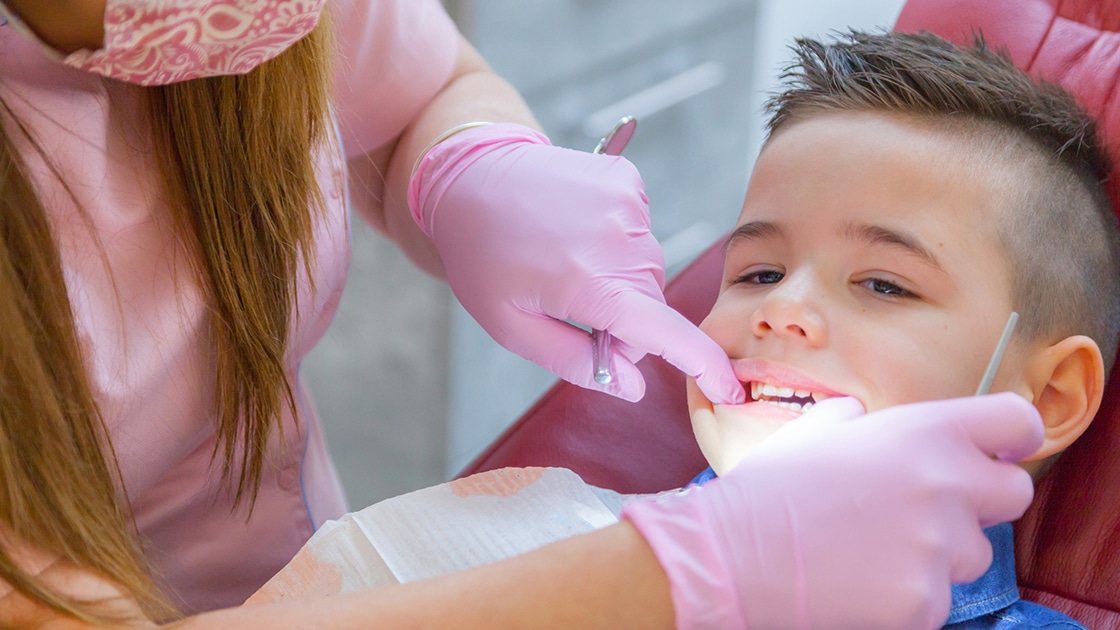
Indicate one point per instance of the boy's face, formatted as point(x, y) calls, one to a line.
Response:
point(866, 263)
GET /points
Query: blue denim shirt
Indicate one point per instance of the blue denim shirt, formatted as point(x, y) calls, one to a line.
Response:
point(991, 602)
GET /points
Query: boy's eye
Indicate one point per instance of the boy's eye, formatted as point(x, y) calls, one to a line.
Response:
point(882, 287)
point(766, 276)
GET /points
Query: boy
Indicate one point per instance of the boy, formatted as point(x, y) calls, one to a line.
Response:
point(910, 196)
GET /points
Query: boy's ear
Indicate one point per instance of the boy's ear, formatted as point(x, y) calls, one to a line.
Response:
point(1066, 382)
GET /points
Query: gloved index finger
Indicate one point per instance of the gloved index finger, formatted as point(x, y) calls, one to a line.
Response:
point(656, 328)
point(1004, 425)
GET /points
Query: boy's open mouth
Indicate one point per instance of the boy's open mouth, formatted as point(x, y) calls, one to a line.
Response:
point(786, 397)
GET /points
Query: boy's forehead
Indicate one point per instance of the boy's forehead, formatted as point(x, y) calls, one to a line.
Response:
point(965, 139)
point(884, 181)
point(933, 155)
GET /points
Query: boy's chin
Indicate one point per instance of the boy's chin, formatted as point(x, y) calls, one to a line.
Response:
point(727, 433)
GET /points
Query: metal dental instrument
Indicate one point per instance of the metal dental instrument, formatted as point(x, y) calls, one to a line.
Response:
point(612, 144)
point(618, 137)
point(997, 356)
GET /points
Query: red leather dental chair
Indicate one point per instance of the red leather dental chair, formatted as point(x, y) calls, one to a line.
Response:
point(1068, 543)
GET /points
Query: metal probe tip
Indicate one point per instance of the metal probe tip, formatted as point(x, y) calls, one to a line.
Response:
point(997, 356)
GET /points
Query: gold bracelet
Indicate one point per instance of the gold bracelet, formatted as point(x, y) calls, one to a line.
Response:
point(440, 138)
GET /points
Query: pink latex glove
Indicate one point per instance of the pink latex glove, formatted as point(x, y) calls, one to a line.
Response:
point(532, 235)
point(839, 523)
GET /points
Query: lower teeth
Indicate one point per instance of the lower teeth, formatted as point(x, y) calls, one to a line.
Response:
point(802, 407)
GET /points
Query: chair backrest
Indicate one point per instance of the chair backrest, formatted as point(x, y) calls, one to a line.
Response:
point(1068, 543)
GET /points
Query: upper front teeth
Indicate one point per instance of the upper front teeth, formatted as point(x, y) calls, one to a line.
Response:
point(759, 390)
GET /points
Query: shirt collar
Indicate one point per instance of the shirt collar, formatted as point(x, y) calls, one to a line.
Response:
point(995, 590)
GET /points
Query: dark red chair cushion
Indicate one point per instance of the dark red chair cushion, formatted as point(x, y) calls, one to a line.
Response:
point(1068, 543)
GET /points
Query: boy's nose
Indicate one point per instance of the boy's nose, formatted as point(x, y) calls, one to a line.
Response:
point(791, 309)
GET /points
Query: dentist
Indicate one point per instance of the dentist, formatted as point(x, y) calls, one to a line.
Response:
point(173, 208)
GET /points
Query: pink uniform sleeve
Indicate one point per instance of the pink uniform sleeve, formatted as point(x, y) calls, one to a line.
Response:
point(394, 56)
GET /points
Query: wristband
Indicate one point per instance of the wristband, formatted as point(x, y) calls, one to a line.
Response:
point(440, 138)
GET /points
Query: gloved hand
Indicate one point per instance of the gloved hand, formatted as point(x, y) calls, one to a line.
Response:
point(532, 235)
point(840, 523)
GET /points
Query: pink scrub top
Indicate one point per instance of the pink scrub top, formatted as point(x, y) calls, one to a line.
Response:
point(140, 313)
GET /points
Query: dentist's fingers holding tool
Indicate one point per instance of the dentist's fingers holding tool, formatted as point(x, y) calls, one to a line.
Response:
point(838, 521)
point(530, 232)
point(611, 144)
point(562, 349)
point(1001, 429)
point(703, 360)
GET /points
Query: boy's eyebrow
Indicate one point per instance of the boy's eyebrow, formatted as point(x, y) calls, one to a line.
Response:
point(752, 231)
point(879, 235)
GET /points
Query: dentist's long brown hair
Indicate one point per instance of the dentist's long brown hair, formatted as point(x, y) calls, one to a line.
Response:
point(239, 142)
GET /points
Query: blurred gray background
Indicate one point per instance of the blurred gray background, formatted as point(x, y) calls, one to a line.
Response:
point(409, 388)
